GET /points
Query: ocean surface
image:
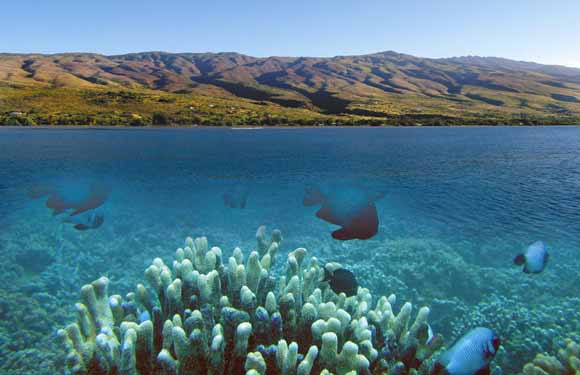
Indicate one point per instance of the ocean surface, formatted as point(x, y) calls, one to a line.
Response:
point(456, 206)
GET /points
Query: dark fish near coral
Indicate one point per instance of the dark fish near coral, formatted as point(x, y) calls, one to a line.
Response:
point(236, 197)
point(470, 355)
point(341, 281)
point(87, 220)
point(534, 259)
point(76, 198)
point(351, 208)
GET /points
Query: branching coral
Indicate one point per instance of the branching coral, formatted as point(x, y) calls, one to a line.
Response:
point(567, 362)
point(207, 316)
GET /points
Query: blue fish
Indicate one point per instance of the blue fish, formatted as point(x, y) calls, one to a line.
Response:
point(470, 355)
point(534, 259)
point(350, 207)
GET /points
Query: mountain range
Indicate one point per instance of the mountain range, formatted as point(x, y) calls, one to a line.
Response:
point(375, 87)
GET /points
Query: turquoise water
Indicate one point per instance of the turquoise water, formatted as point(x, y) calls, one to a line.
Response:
point(458, 205)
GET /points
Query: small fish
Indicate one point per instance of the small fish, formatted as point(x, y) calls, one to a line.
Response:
point(87, 220)
point(534, 259)
point(341, 280)
point(236, 197)
point(470, 355)
point(430, 335)
point(351, 208)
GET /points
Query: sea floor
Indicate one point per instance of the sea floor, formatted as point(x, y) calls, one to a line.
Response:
point(447, 234)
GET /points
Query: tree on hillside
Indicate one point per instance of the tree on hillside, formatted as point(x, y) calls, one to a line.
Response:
point(160, 119)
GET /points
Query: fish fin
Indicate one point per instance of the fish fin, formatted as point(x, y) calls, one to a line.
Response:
point(312, 196)
point(520, 259)
point(325, 213)
point(327, 276)
point(367, 222)
point(484, 371)
point(81, 227)
point(343, 234)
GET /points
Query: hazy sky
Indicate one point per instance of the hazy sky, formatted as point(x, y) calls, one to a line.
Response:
point(538, 30)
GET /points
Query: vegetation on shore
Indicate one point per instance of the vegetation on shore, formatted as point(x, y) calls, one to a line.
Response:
point(45, 107)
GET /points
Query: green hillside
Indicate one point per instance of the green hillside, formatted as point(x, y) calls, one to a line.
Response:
point(233, 89)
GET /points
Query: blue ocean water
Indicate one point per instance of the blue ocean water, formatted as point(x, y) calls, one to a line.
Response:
point(458, 205)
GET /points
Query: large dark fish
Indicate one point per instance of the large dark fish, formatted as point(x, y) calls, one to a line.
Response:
point(534, 259)
point(61, 199)
point(341, 281)
point(236, 197)
point(351, 208)
point(470, 355)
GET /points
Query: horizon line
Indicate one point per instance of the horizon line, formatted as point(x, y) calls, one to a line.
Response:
point(284, 56)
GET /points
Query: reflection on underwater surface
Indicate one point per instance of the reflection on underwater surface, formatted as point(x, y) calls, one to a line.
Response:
point(459, 205)
point(74, 201)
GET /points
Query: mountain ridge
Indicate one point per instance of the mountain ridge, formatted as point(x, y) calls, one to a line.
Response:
point(381, 85)
point(385, 52)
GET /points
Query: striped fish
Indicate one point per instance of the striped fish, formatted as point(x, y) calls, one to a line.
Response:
point(534, 259)
point(470, 355)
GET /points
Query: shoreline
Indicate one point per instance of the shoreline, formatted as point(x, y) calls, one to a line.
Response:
point(125, 127)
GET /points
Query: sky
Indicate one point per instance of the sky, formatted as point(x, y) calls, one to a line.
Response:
point(532, 30)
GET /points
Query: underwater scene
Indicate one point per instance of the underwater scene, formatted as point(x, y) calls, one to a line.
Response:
point(290, 251)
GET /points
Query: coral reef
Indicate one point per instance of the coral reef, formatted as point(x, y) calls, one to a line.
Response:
point(207, 315)
point(532, 314)
point(566, 362)
point(446, 269)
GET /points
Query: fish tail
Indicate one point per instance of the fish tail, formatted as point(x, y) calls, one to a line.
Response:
point(520, 259)
point(343, 234)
